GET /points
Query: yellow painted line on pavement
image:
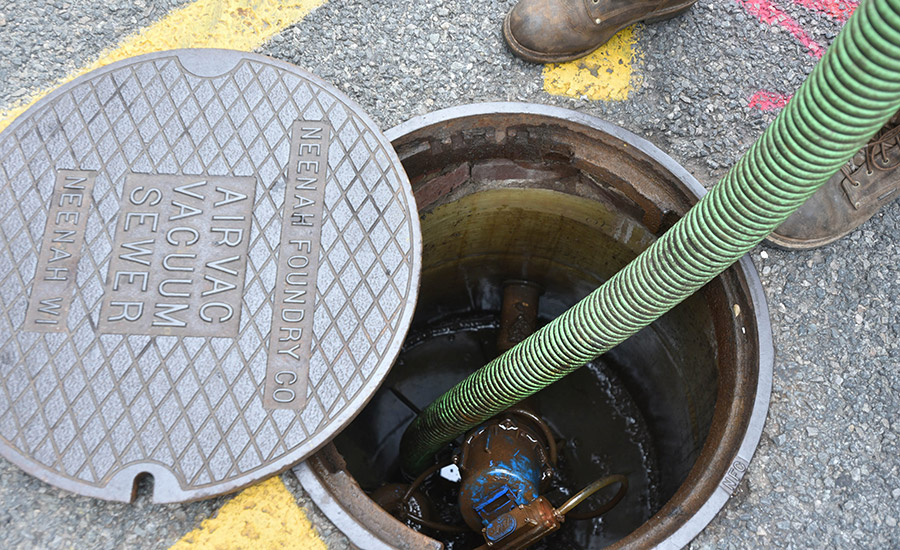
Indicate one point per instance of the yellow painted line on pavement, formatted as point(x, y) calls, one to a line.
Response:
point(606, 74)
point(264, 516)
point(232, 24)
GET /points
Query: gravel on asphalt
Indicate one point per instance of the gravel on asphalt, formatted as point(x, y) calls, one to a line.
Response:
point(827, 471)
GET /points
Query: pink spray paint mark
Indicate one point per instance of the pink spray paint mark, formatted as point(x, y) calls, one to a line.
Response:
point(839, 10)
point(768, 101)
point(767, 12)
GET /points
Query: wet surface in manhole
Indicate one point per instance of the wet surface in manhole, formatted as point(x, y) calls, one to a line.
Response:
point(598, 426)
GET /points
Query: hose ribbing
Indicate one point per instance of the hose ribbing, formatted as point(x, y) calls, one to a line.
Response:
point(850, 95)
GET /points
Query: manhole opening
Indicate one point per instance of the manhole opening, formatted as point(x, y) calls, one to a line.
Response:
point(513, 196)
point(643, 410)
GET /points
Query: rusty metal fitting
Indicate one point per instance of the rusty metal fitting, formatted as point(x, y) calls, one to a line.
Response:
point(518, 316)
point(503, 464)
point(522, 526)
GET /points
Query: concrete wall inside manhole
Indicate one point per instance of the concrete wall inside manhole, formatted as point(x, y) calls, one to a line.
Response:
point(551, 197)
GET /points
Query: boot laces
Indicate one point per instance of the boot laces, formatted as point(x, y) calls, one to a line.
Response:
point(879, 154)
point(877, 150)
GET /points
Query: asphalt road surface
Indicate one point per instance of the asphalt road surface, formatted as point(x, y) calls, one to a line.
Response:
point(702, 87)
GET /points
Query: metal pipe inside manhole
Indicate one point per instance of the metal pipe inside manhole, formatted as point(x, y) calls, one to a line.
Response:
point(515, 198)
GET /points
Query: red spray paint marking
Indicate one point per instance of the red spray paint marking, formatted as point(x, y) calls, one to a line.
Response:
point(839, 10)
point(768, 101)
point(767, 12)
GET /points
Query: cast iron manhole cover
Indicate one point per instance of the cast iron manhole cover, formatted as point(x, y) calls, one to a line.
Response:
point(209, 262)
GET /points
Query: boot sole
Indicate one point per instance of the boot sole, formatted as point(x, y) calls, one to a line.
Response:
point(788, 243)
point(538, 57)
point(795, 245)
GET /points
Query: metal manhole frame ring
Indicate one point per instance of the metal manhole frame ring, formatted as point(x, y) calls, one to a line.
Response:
point(317, 474)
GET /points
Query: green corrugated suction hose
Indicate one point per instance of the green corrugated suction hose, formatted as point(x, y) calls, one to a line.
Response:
point(851, 93)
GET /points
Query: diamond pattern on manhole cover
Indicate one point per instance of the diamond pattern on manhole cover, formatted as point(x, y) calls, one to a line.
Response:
point(208, 262)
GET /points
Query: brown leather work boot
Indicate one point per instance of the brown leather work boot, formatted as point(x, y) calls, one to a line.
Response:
point(553, 31)
point(867, 182)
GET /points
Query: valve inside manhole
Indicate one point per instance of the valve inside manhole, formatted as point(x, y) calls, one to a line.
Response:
point(541, 197)
point(605, 434)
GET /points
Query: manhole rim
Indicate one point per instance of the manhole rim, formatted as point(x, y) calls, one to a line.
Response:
point(312, 471)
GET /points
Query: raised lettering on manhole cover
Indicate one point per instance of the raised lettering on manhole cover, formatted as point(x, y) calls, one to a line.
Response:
point(298, 266)
point(179, 256)
point(208, 263)
point(54, 279)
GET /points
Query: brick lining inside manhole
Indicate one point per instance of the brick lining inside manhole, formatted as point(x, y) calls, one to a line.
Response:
point(208, 262)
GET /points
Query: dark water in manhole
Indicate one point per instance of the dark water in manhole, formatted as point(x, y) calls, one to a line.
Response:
point(598, 426)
